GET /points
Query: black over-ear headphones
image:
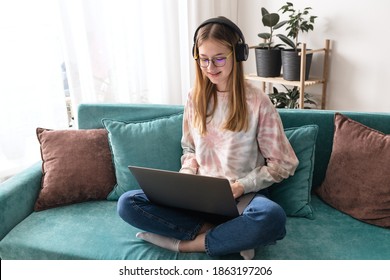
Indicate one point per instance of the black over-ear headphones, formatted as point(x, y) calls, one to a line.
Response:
point(242, 49)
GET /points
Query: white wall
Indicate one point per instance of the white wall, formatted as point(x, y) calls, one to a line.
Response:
point(359, 59)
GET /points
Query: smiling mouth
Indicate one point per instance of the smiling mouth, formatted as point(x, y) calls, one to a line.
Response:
point(213, 74)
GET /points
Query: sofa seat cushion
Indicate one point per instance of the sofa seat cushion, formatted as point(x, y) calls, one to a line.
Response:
point(93, 230)
point(332, 235)
point(88, 230)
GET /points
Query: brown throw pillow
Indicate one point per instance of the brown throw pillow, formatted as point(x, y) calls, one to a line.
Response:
point(357, 180)
point(77, 167)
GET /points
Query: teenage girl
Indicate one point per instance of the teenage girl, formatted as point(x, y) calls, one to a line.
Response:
point(232, 130)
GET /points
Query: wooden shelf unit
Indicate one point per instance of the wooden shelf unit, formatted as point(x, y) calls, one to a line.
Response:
point(302, 83)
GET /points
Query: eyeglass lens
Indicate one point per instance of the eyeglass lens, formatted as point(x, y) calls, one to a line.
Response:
point(217, 61)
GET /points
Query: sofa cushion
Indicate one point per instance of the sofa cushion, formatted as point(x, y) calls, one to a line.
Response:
point(76, 167)
point(93, 230)
point(293, 194)
point(357, 178)
point(155, 143)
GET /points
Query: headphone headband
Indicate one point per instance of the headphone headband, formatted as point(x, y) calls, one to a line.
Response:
point(242, 49)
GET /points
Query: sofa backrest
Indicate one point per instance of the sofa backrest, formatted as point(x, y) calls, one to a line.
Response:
point(90, 116)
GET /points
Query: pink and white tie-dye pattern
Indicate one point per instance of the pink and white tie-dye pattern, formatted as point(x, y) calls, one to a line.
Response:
point(257, 158)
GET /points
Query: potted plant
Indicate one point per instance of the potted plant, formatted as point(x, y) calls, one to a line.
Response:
point(268, 55)
point(289, 99)
point(298, 22)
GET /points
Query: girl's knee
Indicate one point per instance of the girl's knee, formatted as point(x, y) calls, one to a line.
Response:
point(279, 216)
point(275, 217)
point(268, 218)
point(266, 209)
point(277, 213)
point(125, 203)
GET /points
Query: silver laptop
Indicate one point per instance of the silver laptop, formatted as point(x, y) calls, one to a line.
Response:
point(192, 192)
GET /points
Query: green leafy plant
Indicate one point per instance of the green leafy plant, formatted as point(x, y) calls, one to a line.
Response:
point(270, 20)
point(298, 22)
point(289, 99)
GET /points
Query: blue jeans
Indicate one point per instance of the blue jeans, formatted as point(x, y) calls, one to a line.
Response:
point(262, 223)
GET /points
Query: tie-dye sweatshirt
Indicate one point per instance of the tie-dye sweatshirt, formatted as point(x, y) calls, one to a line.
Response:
point(256, 158)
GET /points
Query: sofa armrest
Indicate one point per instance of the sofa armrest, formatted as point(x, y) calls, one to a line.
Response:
point(17, 197)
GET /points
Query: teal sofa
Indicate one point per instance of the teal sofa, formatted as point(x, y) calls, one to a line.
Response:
point(93, 229)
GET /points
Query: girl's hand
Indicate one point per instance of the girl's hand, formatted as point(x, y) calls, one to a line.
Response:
point(237, 189)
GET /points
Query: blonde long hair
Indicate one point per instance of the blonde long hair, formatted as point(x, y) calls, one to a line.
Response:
point(205, 91)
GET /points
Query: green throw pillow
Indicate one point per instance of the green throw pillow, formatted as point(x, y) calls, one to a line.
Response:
point(155, 143)
point(294, 193)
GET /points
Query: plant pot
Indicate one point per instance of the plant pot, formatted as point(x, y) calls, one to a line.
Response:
point(268, 62)
point(291, 63)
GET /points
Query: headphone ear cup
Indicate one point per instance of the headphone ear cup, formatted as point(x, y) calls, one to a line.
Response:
point(242, 51)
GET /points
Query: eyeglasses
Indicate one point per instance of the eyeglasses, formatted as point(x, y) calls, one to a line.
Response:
point(217, 61)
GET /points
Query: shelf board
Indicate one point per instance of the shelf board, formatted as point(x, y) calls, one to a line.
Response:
point(280, 80)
